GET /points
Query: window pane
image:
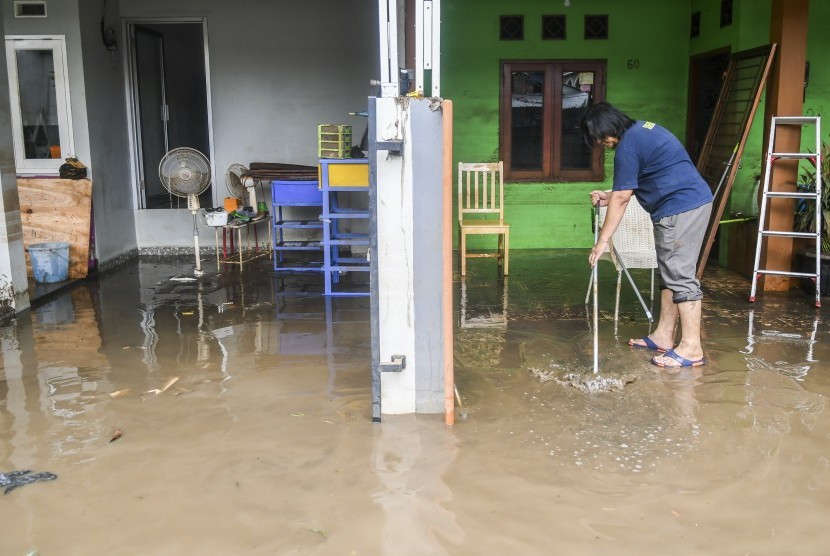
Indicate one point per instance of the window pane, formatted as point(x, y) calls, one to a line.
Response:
point(38, 103)
point(526, 117)
point(577, 97)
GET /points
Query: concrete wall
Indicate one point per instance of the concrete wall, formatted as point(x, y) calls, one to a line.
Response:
point(277, 70)
point(112, 189)
point(817, 102)
point(655, 32)
point(13, 282)
point(63, 19)
point(99, 123)
point(749, 29)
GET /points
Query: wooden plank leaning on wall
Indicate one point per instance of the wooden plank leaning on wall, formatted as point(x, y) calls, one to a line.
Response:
point(57, 210)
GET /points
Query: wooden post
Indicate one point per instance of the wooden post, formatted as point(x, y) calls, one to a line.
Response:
point(785, 96)
point(446, 247)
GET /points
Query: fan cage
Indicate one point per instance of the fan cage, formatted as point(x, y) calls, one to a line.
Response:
point(233, 180)
point(185, 172)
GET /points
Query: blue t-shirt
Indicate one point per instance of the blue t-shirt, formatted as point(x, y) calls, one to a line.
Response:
point(652, 162)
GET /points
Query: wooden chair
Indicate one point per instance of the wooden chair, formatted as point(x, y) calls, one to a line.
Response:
point(481, 209)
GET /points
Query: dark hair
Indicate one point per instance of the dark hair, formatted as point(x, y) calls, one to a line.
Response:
point(604, 120)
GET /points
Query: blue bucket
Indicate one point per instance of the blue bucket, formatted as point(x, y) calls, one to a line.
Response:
point(50, 262)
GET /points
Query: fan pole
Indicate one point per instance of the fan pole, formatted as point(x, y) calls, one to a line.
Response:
point(185, 172)
point(198, 270)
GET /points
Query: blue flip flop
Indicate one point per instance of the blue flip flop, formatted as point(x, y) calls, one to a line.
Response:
point(679, 358)
point(649, 344)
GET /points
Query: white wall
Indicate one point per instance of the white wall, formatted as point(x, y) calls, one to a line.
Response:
point(63, 19)
point(112, 189)
point(277, 70)
point(99, 124)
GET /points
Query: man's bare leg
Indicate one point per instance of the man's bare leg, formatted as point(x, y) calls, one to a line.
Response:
point(663, 335)
point(690, 346)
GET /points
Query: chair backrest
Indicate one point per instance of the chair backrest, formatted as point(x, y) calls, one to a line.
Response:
point(480, 189)
point(634, 238)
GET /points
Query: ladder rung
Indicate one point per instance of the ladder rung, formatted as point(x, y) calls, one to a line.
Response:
point(786, 273)
point(793, 120)
point(787, 234)
point(792, 194)
point(800, 156)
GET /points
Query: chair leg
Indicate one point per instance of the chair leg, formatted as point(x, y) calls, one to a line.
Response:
point(462, 251)
point(506, 250)
point(617, 302)
point(652, 288)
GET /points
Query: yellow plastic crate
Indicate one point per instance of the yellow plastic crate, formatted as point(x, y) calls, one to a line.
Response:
point(334, 141)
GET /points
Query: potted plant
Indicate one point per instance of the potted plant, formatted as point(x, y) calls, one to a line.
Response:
point(805, 220)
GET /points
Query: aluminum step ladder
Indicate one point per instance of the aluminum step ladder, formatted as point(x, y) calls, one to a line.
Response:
point(803, 196)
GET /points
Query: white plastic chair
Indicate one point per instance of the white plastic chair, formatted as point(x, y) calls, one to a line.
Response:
point(634, 242)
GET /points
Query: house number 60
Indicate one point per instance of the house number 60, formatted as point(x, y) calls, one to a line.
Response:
point(633, 63)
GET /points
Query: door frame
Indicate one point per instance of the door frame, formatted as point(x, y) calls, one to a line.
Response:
point(132, 112)
point(140, 116)
point(695, 63)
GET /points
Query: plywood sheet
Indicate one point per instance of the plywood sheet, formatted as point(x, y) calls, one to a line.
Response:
point(57, 210)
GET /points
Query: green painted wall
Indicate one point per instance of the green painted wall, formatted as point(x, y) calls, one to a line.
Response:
point(750, 28)
point(656, 33)
point(817, 102)
point(545, 215)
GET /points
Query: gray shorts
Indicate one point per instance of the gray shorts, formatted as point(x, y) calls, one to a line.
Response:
point(678, 239)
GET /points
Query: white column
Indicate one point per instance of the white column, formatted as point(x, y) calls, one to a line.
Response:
point(395, 228)
point(409, 254)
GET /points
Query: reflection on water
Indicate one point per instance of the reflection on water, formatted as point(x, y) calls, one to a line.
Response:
point(479, 308)
point(796, 333)
point(246, 417)
point(411, 456)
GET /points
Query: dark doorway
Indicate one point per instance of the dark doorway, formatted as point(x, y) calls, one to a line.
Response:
point(706, 72)
point(169, 92)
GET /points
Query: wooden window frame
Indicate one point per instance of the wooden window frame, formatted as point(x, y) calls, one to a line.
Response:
point(551, 157)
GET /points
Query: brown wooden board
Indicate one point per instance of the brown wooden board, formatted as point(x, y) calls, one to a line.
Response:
point(724, 144)
point(57, 210)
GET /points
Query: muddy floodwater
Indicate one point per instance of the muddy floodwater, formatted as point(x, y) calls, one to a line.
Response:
point(232, 415)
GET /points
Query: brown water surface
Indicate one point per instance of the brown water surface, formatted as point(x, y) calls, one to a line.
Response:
point(243, 406)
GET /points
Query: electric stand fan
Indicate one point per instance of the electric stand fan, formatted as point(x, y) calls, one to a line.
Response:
point(185, 172)
point(237, 181)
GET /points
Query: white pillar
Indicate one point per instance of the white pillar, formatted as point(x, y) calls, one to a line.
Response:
point(409, 205)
